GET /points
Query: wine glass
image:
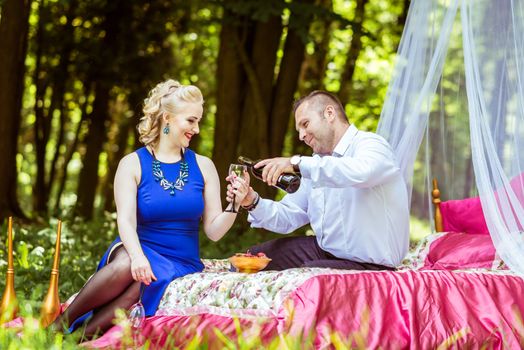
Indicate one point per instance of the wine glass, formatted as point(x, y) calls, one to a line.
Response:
point(237, 170)
point(137, 313)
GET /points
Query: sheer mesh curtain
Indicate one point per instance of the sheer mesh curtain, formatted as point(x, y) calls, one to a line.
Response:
point(494, 62)
point(480, 83)
point(418, 68)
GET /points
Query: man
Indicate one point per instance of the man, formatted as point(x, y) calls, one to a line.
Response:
point(352, 193)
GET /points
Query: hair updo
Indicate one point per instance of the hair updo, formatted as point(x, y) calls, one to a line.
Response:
point(164, 98)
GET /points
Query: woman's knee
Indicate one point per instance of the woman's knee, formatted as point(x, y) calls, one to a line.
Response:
point(121, 264)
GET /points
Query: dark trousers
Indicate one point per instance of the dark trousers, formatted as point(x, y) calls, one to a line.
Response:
point(292, 252)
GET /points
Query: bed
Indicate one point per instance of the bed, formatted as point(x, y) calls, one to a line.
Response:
point(452, 291)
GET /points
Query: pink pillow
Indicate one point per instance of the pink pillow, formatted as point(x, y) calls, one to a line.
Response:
point(454, 250)
point(463, 215)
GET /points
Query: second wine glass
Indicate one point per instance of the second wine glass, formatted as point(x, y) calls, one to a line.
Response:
point(137, 313)
point(238, 171)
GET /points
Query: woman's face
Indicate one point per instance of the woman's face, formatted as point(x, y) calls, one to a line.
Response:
point(184, 124)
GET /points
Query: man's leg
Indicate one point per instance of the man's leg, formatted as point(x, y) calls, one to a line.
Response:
point(289, 252)
point(343, 264)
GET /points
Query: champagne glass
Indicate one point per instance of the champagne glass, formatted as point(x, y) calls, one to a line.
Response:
point(137, 313)
point(237, 170)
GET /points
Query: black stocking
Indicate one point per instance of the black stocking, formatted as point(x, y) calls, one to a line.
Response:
point(106, 284)
point(103, 317)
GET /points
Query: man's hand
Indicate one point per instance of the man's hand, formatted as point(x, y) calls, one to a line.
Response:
point(273, 168)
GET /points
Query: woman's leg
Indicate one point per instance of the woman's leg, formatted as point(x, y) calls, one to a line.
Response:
point(102, 319)
point(105, 285)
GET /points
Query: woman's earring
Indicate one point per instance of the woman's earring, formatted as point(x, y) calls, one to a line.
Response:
point(166, 129)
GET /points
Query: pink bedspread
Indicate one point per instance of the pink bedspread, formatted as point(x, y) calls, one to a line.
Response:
point(392, 310)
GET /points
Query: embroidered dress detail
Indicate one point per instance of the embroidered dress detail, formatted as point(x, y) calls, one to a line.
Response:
point(179, 183)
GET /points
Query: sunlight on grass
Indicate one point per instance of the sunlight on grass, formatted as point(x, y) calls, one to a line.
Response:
point(418, 229)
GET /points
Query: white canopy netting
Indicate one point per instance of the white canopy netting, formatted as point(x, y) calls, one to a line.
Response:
point(458, 90)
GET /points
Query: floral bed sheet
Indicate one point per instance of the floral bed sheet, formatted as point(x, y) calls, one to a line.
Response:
point(225, 293)
point(405, 309)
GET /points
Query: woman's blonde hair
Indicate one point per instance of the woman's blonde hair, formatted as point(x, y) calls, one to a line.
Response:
point(164, 98)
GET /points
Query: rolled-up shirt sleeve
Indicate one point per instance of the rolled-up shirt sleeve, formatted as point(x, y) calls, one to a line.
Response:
point(374, 164)
point(283, 216)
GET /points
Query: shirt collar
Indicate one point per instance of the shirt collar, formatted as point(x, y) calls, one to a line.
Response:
point(345, 141)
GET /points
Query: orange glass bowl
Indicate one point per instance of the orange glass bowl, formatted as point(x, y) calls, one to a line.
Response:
point(249, 264)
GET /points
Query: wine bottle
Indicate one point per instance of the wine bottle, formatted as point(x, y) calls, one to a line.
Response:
point(289, 182)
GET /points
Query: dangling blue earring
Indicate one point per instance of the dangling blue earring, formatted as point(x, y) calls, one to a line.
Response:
point(166, 129)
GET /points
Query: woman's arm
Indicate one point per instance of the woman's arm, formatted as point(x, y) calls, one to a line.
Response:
point(127, 178)
point(216, 221)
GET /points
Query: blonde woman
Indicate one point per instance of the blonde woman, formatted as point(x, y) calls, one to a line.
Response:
point(162, 192)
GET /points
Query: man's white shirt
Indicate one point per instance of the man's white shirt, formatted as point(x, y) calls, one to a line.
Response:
point(355, 200)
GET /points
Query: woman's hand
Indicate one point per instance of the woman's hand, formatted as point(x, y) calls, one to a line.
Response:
point(238, 187)
point(141, 270)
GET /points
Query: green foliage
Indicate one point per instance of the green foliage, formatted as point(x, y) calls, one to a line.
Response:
point(82, 245)
point(375, 61)
point(35, 338)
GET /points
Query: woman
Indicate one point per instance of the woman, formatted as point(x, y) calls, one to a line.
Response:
point(162, 191)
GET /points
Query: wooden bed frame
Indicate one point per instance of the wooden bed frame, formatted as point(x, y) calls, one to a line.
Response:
point(436, 202)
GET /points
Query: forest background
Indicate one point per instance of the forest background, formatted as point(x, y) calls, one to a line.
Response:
point(73, 76)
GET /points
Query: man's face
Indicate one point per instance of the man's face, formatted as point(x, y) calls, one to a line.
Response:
point(314, 129)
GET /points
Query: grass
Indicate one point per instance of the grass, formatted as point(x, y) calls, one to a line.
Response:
point(82, 245)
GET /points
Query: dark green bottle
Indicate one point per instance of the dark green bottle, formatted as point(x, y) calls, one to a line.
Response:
point(289, 182)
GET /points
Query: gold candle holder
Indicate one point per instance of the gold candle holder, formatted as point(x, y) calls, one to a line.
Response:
point(9, 306)
point(51, 305)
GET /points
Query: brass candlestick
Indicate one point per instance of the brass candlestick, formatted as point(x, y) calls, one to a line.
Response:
point(9, 306)
point(51, 306)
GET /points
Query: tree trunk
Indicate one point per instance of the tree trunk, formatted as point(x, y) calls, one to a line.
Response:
point(229, 96)
point(120, 150)
point(287, 82)
point(260, 70)
point(355, 48)
point(95, 139)
point(113, 160)
point(108, 71)
point(313, 70)
point(62, 176)
point(41, 132)
point(13, 31)
point(60, 78)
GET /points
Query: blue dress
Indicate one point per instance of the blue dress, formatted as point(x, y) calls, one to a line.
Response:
point(167, 226)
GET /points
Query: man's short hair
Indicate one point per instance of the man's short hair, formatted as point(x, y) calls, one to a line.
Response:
point(321, 99)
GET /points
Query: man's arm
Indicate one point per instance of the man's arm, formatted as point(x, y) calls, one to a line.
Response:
point(373, 164)
point(284, 216)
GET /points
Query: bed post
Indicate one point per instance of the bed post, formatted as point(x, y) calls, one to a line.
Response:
point(436, 202)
